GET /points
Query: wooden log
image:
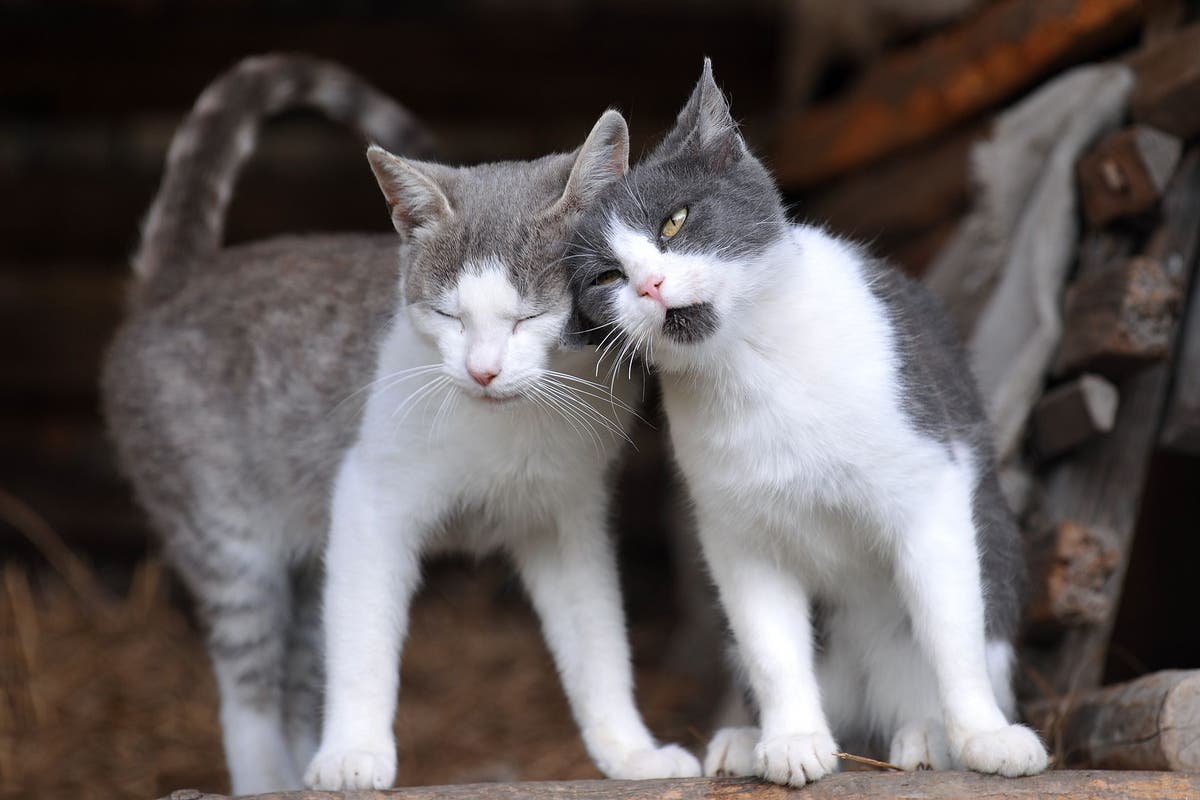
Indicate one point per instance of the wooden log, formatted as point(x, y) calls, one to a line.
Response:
point(926, 785)
point(1149, 723)
point(1167, 94)
point(1101, 486)
point(1073, 414)
point(1126, 173)
point(1070, 565)
point(1119, 321)
point(921, 91)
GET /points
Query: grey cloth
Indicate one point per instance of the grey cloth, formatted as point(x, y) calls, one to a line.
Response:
point(1002, 274)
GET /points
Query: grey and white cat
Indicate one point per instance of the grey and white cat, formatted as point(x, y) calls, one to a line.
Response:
point(834, 447)
point(235, 390)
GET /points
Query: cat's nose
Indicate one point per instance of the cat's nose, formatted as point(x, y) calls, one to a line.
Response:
point(483, 376)
point(650, 288)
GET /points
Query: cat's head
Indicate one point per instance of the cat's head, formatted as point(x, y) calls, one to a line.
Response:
point(483, 276)
point(668, 254)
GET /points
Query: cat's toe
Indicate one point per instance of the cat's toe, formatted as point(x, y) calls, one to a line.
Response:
point(336, 769)
point(921, 745)
point(668, 761)
point(731, 752)
point(796, 759)
point(1010, 751)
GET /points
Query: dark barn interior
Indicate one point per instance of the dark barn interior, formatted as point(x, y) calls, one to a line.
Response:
point(105, 689)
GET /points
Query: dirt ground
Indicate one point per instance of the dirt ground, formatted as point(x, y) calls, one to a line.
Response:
point(106, 696)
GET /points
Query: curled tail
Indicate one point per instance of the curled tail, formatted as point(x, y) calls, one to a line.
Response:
point(186, 221)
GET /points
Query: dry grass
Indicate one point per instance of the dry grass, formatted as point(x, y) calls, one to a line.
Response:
point(112, 697)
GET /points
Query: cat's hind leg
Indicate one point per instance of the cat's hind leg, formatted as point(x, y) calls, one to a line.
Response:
point(304, 685)
point(243, 598)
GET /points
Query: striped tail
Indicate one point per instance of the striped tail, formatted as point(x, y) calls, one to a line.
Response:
point(186, 221)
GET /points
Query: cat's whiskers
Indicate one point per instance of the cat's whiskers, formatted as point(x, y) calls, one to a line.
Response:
point(577, 395)
point(411, 402)
point(392, 379)
point(545, 401)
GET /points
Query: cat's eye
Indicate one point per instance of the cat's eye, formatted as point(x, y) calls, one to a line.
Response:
point(673, 223)
point(526, 319)
point(441, 313)
point(605, 278)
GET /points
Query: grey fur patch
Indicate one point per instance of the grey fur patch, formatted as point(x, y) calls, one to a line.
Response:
point(690, 324)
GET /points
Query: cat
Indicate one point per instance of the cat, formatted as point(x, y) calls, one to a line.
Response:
point(236, 384)
point(823, 416)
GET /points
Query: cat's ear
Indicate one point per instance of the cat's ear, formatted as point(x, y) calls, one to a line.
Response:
point(602, 159)
point(413, 191)
point(706, 123)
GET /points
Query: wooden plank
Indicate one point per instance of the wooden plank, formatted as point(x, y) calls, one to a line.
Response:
point(1119, 320)
point(926, 785)
point(1073, 414)
point(1101, 487)
point(1126, 173)
point(1181, 427)
point(919, 92)
point(1149, 723)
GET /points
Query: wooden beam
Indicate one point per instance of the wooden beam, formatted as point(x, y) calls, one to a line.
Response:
point(942, 81)
point(1149, 723)
point(1126, 173)
point(1062, 785)
point(1073, 414)
point(1101, 486)
point(1181, 427)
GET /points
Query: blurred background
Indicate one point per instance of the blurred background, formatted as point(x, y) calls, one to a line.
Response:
point(105, 689)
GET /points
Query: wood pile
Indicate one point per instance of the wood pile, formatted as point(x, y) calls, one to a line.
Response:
point(1124, 384)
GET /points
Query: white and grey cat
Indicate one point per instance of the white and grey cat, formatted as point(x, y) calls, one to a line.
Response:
point(834, 447)
point(235, 394)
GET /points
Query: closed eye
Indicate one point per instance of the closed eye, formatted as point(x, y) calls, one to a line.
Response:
point(526, 319)
point(441, 313)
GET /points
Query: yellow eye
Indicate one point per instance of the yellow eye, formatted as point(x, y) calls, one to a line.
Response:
point(605, 278)
point(673, 223)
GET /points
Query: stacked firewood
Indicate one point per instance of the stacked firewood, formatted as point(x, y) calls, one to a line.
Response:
point(1124, 383)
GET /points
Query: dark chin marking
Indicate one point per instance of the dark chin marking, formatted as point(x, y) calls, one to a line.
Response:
point(690, 324)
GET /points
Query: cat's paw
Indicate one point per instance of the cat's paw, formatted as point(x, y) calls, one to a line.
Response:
point(335, 769)
point(731, 752)
point(921, 745)
point(1010, 751)
point(668, 761)
point(796, 759)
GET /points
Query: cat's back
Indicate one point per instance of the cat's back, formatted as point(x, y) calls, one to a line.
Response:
point(242, 366)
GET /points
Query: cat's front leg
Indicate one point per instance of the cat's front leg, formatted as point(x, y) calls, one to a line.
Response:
point(571, 577)
point(938, 573)
point(769, 614)
point(372, 570)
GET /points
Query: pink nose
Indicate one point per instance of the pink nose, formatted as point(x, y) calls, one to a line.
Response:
point(482, 376)
point(649, 288)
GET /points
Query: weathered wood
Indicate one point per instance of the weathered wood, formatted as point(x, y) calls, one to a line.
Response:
point(1181, 426)
point(1101, 486)
point(1167, 95)
point(1120, 320)
point(1060, 785)
point(926, 89)
point(1149, 723)
point(1126, 173)
point(1070, 565)
point(1073, 414)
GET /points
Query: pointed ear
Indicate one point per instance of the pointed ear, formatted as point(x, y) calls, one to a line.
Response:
point(602, 159)
point(412, 190)
point(705, 122)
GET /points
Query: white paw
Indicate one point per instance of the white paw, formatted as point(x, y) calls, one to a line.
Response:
point(1010, 751)
point(796, 759)
point(921, 745)
point(336, 769)
point(731, 752)
point(668, 761)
